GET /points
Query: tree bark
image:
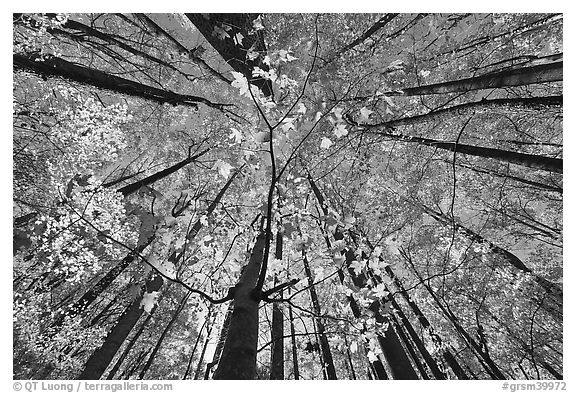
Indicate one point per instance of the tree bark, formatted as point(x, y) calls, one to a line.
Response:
point(532, 183)
point(165, 332)
point(198, 338)
point(132, 188)
point(92, 294)
point(324, 345)
point(128, 348)
point(221, 341)
point(382, 22)
point(484, 358)
point(238, 359)
point(552, 288)
point(52, 66)
point(293, 342)
point(101, 358)
point(459, 110)
point(426, 325)
point(523, 159)
point(277, 331)
point(550, 72)
point(227, 46)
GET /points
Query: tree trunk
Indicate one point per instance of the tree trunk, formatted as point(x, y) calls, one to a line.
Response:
point(523, 159)
point(226, 44)
point(418, 342)
point(408, 347)
point(277, 331)
point(535, 184)
point(238, 359)
point(349, 358)
point(459, 110)
point(553, 289)
point(485, 39)
point(551, 72)
point(324, 345)
point(198, 338)
point(163, 336)
point(201, 358)
point(86, 300)
point(294, 346)
point(52, 66)
point(192, 54)
point(484, 358)
point(128, 348)
point(221, 340)
point(101, 358)
point(426, 325)
point(382, 22)
point(402, 369)
point(132, 188)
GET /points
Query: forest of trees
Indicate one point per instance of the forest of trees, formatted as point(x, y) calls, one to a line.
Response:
point(287, 196)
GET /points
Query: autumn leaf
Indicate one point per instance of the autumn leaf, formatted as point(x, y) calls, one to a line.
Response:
point(236, 135)
point(326, 143)
point(221, 32)
point(241, 83)
point(364, 115)
point(149, 300)
point(340, 130)
point(223, 168)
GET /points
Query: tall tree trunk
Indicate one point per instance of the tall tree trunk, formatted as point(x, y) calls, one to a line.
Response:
point(402, 369)
point(524, 345)
point(438, 374)
point(202, 354)
point(192, 53)
point(390, 343)
point(165, 332)
point(132, 188)
point(88, 298)
point(523, 159)
point(349, 358)
point(128, 348)
point(395, 355)
point(101, 358)
point(238, 359)
point(295, 369)
point(112, 39)
point(226, 44)
point(532, 183)
point(553, 289)
point(551, 72)
point(380, 23)
point(52, 66)
point(277, 331)
point(484, 358)
point(409, 347)
point(221, 341)
point(450, 359)
point(198, 338)
point(473, 44)
point(324, 345)
point(458, 110)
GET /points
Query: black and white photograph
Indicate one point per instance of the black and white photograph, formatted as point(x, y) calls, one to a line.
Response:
point(286, 196)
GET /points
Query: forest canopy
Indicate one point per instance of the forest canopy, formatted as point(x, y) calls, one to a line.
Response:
point(287, 196)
